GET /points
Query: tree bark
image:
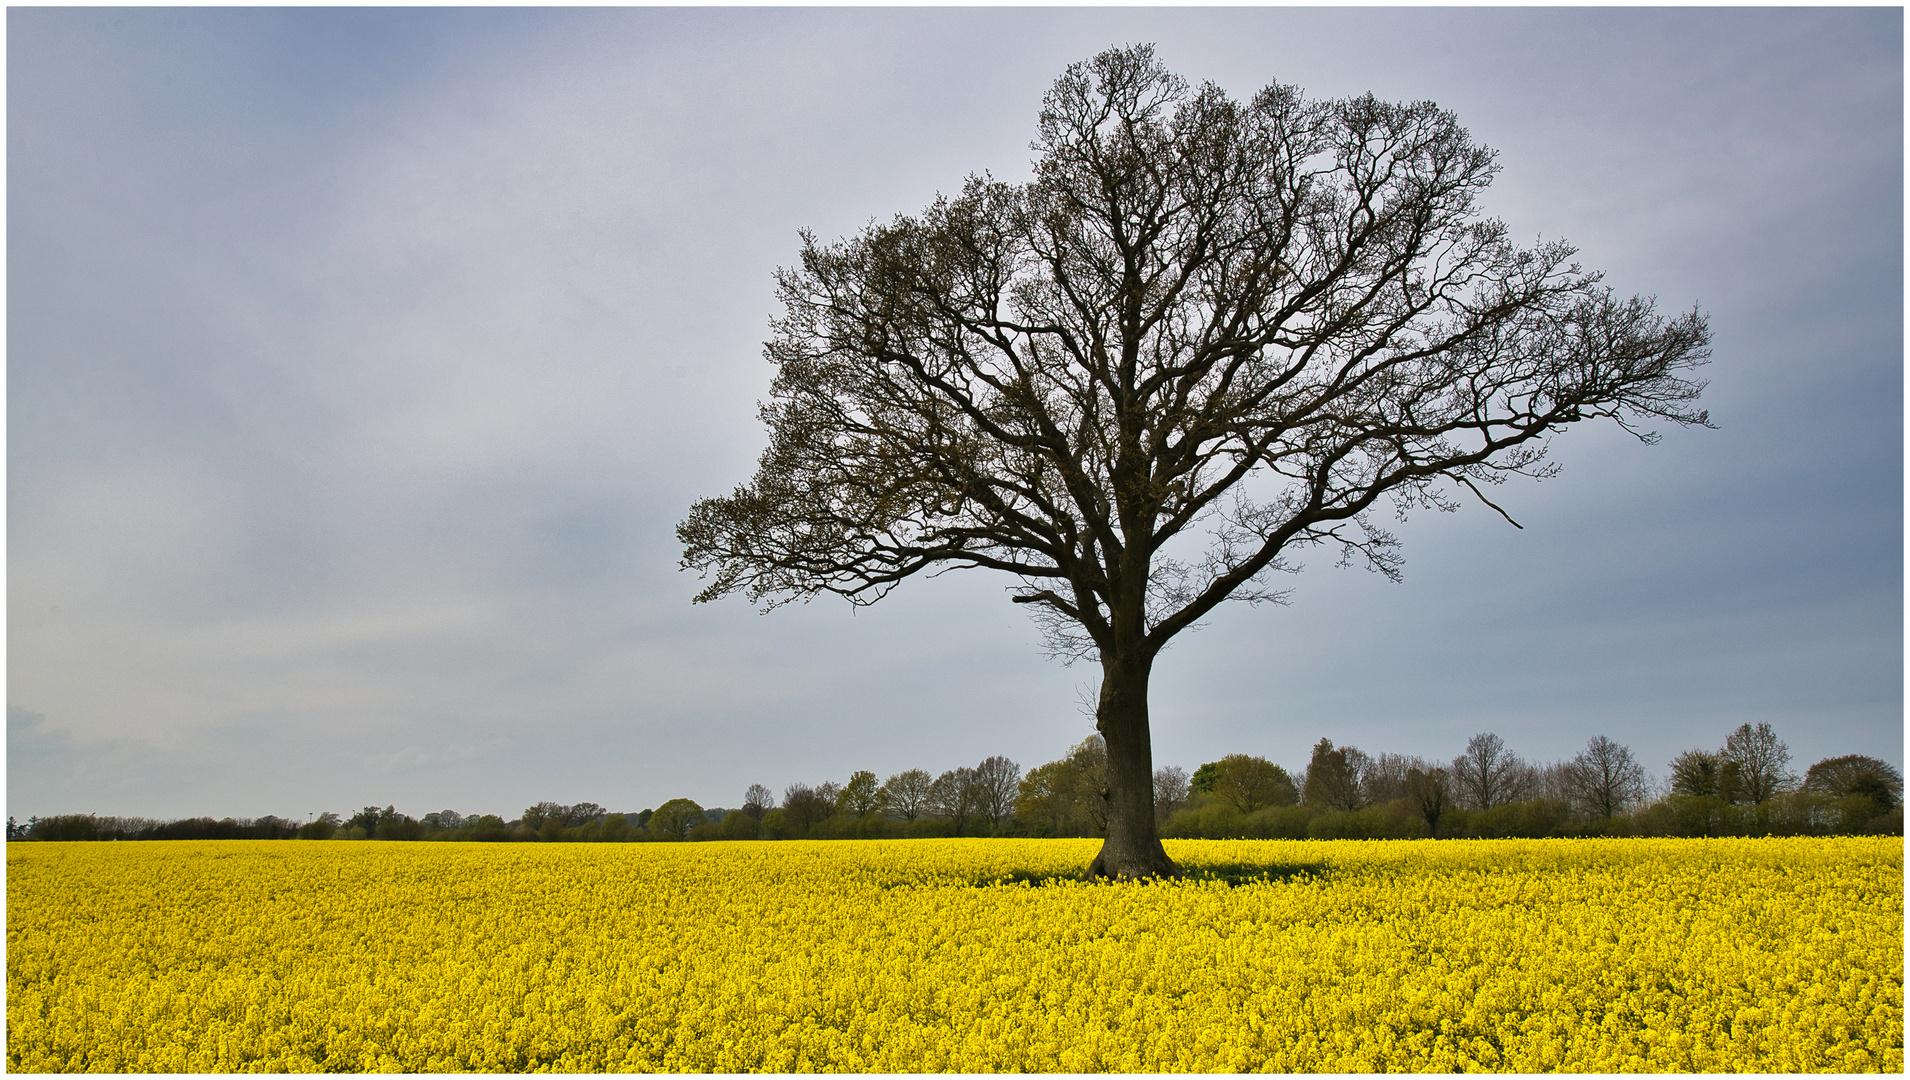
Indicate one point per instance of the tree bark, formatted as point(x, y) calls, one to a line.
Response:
point(1132, 850)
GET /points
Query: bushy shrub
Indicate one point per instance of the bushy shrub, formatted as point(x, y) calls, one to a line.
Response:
point(1396, 820)
point(1278, 823)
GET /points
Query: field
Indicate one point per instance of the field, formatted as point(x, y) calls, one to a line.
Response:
point(970, 955)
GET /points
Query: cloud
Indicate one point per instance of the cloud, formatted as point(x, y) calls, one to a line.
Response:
point(362, 362)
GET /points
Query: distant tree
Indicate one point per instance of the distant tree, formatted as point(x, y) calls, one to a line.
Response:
point(1359, 765)
point(906, 793)
point(953, 798)
point(1604, 778)
point(1761, 762)
point(1089, 763)
point(443, 820)
point(1332, 781)
point(804, 806)
point(1856, 774)
point(1248, 783)
point(674, 819)
point(757, 801)
point(1731, 782)
point(1048, 794)
point(322, 827)
point(1695, 773)
point(583, 813)
point(861, 796)
point(614, 828)
point(997, 781)
point(739, 825)
point(395, 826)
point(1430, 790)
point(1171, 790)
point(1489, 775)
point(1383, 779)
point(365, 820)
point(535, 817)
point(1548, 781)
point(1238, 326)
point(15, 830)
point(1203, 779)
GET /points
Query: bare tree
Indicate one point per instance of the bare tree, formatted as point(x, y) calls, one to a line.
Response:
point(1488, 774)
point(1255, 322)
point(1604, 778)
point(906, 792)
point(757, 801)
point(997, 782)
point(1359, 765)
point(1384, 777)
point(1170, 791)
point(1553, 781)
point(953, 797)
point(803, 806)
point(1762, 762)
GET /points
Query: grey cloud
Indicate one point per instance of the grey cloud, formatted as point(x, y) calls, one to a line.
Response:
point(361, 364)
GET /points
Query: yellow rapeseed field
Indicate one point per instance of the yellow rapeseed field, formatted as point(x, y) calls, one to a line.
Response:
point(971, 955)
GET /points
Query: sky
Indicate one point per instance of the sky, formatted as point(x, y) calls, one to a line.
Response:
point(361, 363)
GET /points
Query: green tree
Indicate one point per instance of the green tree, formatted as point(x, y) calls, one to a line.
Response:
point(1046, 794)
point(1248, 783)
point(738, 825)
point(1203, 779)
point(322, 827)
point(1695, 773)
point(1243, 324)
point(535, 817)
point(674, 819)
point(1856, 774)
point(1066, 794)
point(861, 796)
point(365, 821)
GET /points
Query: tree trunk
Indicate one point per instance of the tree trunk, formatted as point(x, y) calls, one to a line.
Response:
point(1133, 847)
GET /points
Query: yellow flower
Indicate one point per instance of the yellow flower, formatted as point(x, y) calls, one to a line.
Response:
point(956, 955)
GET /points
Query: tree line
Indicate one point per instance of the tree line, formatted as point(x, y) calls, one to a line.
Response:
point(1745, 787)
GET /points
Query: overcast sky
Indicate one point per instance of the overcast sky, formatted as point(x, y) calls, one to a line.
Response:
point(362, 362)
